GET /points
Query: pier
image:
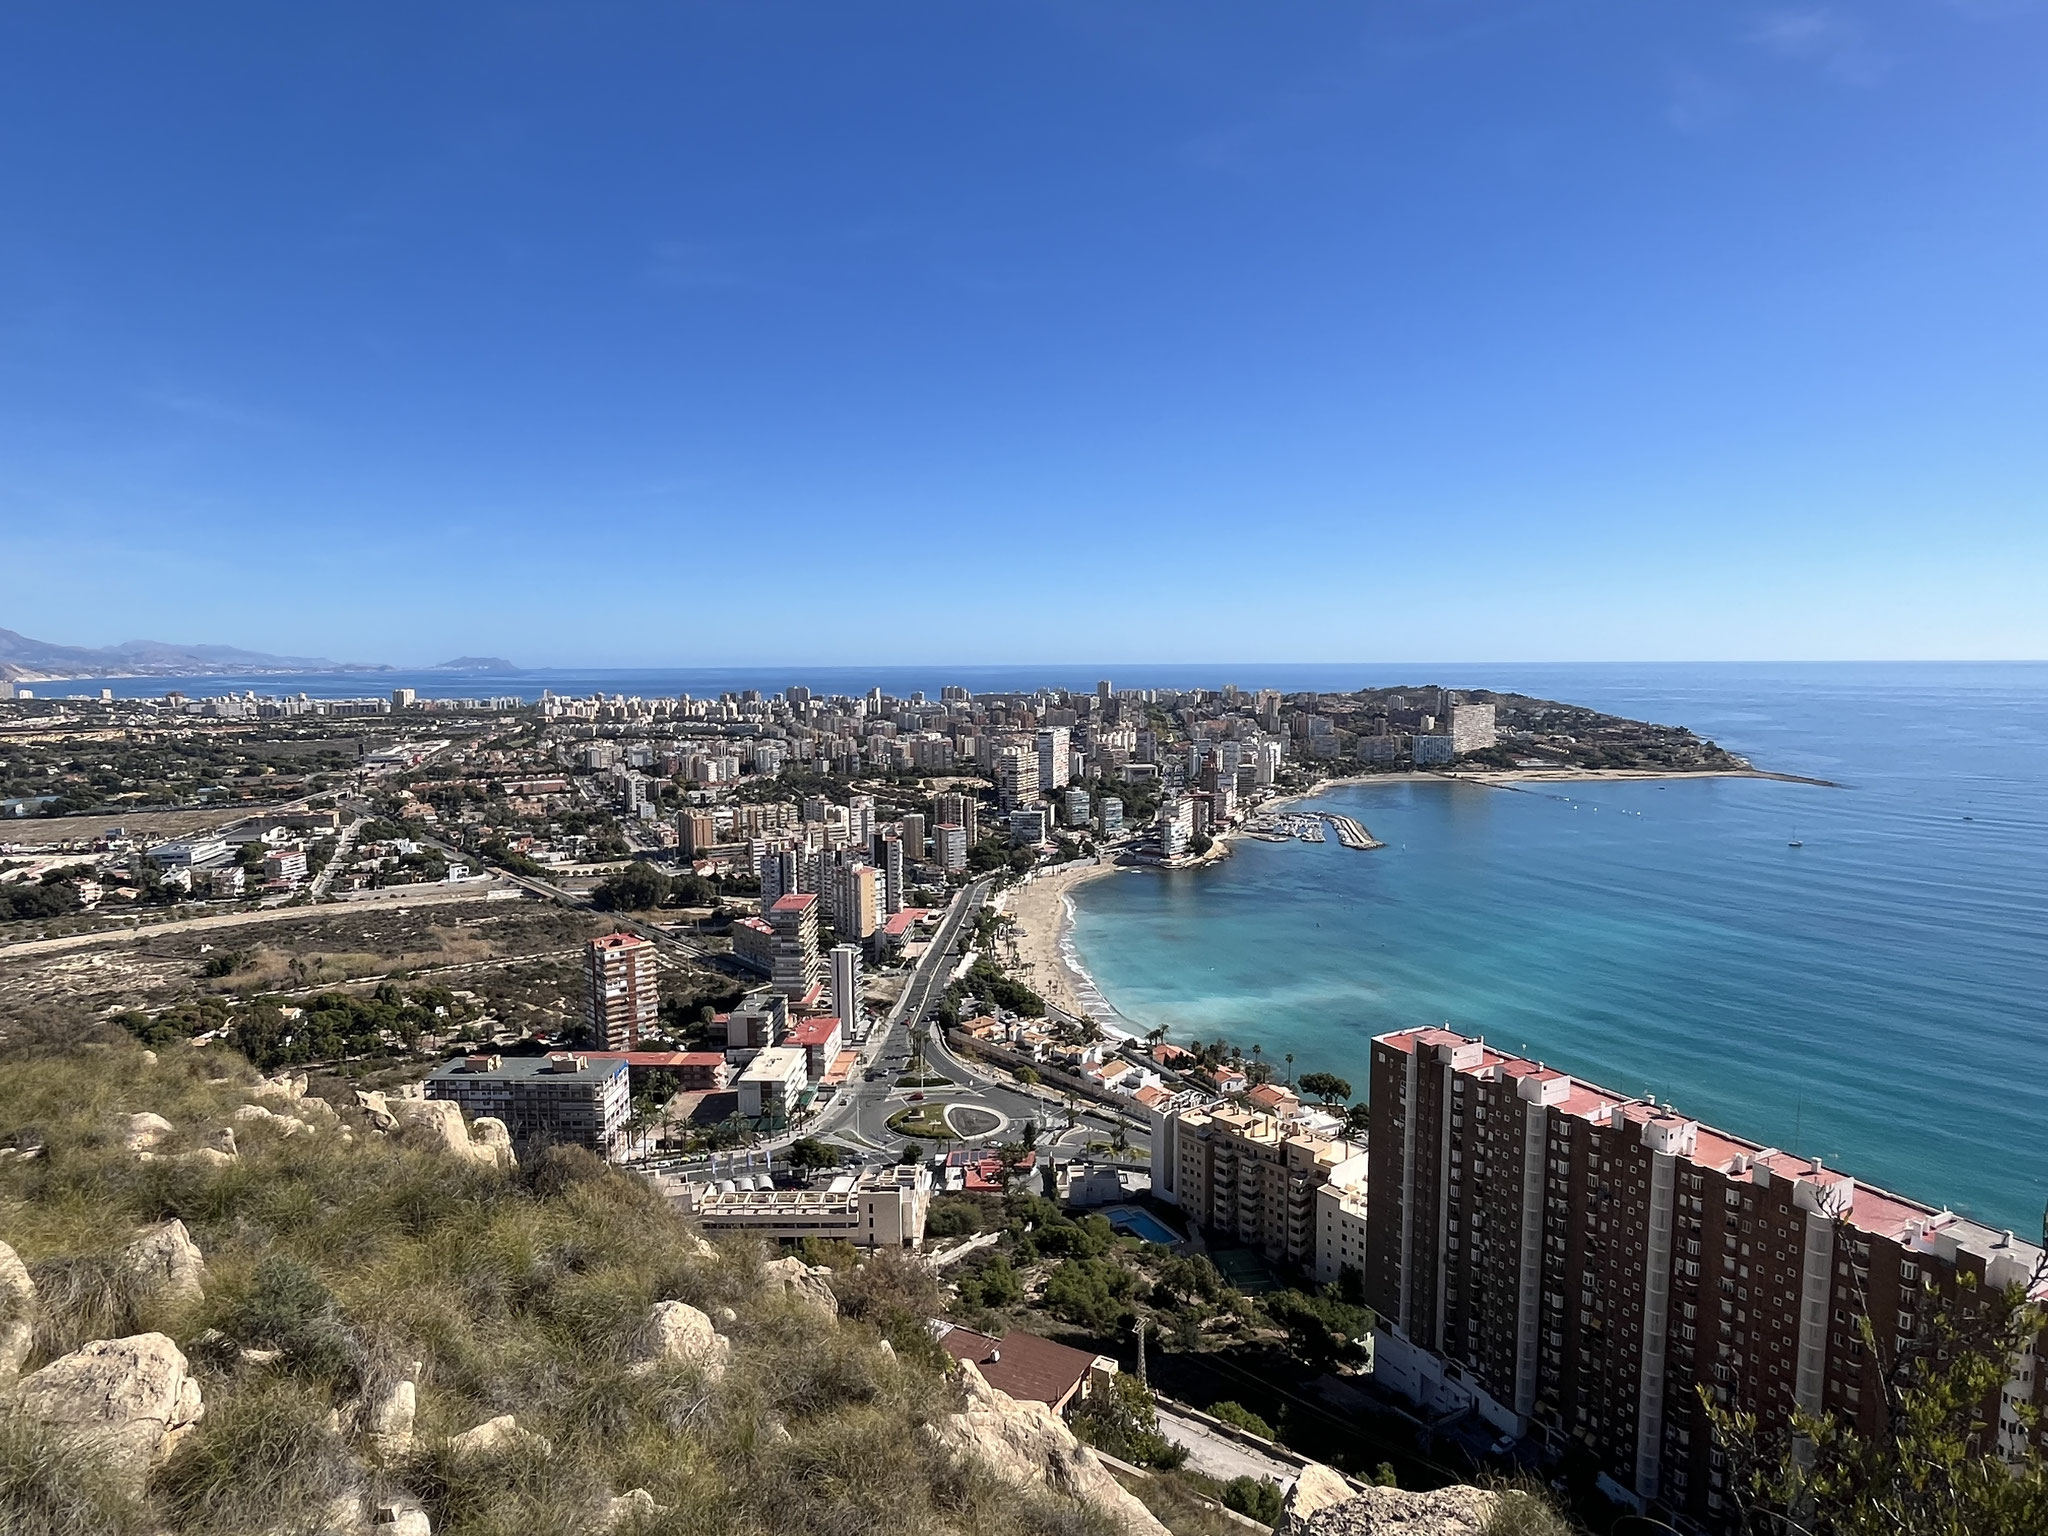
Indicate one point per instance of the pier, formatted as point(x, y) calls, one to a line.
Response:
point(1307, 827)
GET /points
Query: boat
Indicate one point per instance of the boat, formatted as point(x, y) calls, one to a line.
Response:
point(1795, 843)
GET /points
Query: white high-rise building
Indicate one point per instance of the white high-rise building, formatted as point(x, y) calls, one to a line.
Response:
point(1016, 778)
point(892, 874)
point(913, 836)
point(846, 986)
point(950, 845)
point(1054, 758)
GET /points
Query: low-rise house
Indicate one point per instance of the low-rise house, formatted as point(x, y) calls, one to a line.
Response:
point(881, 1207)
point(1028, 1368)
point(773, 1081)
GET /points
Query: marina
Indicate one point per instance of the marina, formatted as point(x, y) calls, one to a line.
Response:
point(1307, 827)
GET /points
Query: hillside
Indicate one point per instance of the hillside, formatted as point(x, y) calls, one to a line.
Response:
point(243, 1307)
point(26, 660)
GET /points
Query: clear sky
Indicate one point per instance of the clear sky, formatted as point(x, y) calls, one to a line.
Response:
point(994, 332)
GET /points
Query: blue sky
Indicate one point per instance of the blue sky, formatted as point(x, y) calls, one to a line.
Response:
point(705, 334)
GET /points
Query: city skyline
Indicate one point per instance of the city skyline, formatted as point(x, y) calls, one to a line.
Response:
point(1580, 333)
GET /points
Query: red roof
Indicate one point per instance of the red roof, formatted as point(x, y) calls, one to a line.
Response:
point(813, 1031)
point(795, 901)
point(658, 1060)
point(1028, 1368)
point(618, 941)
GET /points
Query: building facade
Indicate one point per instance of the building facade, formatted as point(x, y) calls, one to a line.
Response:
point(561, 1099)
point(1248, 1175)
point(1577, 1264)
point(623, 996)
point(875, 1208)
point(794, 918)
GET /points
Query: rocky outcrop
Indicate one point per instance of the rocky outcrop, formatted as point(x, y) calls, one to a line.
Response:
point(17, 1314)
point(676, 1333)
point(128, 1401)
point(1029, 1445)
point(285, 1089)
point(166, 1263)
point(435, 1125)
point(388, 1417)
point(396, 1519)
point(795, 1281)
point(146, 1132)
point(284, 1125)
point(497, 1437)
point(1456, 1511)
point(634, 1504)
point(1316, 1487)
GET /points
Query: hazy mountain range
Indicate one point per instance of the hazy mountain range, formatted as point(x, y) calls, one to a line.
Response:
point(26, 660)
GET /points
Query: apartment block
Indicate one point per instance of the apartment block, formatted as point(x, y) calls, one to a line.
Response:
point(561, 1099)
point(1249, 1175)
point(795, 920)
point(1576, 1264)
point(875, 1208)
point(623, 993)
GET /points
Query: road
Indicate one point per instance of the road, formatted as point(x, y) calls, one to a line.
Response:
point(401, 896)
point(1218, 1456)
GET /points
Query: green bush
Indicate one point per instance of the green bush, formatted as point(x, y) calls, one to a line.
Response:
point(1120, 1417)
point(1256, 1498)
point(1243, 1418)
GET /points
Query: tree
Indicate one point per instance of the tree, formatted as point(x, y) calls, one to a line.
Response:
point(1326, 1086)
point(1120, 1417)
point(808, 1152)
point(1931, 1470)
point(638, 888)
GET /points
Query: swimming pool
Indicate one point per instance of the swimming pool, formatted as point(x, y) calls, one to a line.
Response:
point(1140, 1223)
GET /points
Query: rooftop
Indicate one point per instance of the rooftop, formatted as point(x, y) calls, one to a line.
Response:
point(1029, 1368)
point(521, 1068)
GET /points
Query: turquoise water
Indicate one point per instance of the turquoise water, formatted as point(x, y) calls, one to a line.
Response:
point(1878, 996)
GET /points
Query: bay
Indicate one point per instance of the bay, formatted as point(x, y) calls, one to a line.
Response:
point(1875, 996)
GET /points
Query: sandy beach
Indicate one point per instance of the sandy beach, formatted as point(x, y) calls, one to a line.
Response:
point(1039, 912)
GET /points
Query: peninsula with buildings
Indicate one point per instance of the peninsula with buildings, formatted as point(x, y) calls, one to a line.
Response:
point(739, 1015)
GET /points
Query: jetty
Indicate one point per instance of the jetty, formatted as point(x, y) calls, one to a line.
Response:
point(1307, 827)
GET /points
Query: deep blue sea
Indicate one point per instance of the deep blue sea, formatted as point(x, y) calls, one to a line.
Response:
point(1878, 996)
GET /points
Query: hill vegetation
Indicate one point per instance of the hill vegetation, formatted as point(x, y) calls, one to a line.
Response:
point(341, 1263)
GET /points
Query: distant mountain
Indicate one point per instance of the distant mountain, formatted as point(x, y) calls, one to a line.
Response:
point(26, 660)
point(476, 664)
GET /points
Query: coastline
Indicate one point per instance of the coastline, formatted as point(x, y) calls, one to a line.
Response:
point(1043, 920)
point(1038, 910)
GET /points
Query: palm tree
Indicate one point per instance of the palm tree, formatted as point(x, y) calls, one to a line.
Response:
point(1290, 1068)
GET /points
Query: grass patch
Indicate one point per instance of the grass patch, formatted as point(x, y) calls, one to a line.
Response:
point(927, 1121)
point(513, 1292)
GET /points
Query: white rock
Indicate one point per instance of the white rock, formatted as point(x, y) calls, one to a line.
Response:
point(726, 1317)
point(676, 1333)
point(17, 1314)
point(1030, 1445)
point(400, 1520)
point(1454, 1511)
point(1315, 1488)
point(145, 1132)
point(795, 1281)
point(285, 1088)
point(149, 1058)
point(633, 1504)
point(377, 1107)
point(166, 1262)
point(388, 1421)
point(495, 1437)
point(223, 1140)
point(702, 1248)
point(284, 1125)
point(128, 1401)
point(436, 1126)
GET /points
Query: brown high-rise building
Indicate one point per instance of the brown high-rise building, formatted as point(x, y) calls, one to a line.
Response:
point(695, 832)
point(1576, 1264)
point(624, 995)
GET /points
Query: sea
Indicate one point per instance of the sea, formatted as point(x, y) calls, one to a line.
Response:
point(1876, 995)
point(1858, 972)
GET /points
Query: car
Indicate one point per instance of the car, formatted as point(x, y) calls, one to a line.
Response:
point(917, 1098)
point(1504, 1446)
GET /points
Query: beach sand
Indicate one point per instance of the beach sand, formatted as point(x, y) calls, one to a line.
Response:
point(1039, 912)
